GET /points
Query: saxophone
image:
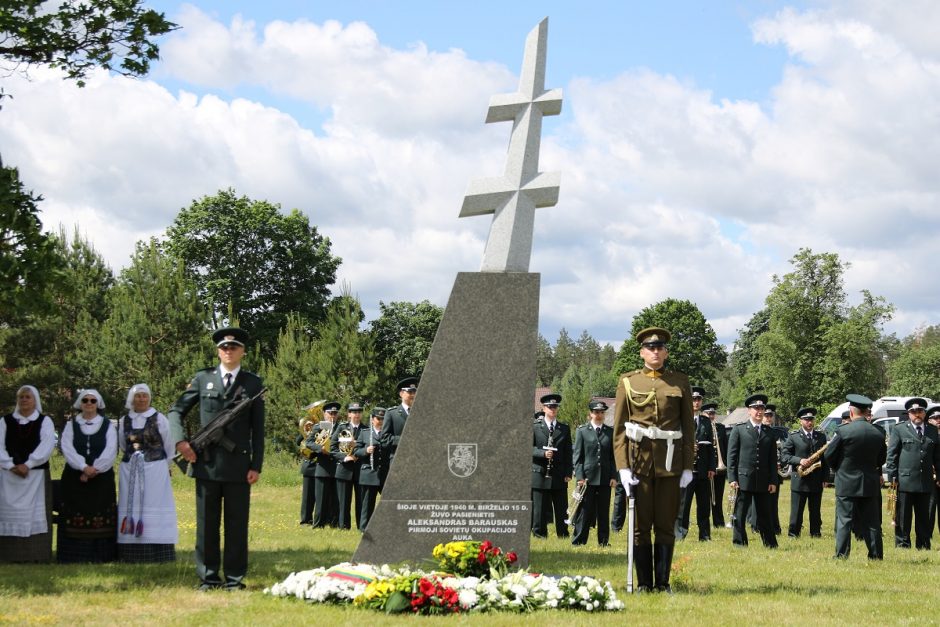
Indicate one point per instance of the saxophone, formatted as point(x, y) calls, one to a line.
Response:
point(732, 501)
point(815, 461)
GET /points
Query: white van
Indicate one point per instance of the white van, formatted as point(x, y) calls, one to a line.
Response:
point(887, 411)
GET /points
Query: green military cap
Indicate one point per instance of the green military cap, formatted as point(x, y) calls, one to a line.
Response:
point(551, 400)
point(757, 401)
point(915, 403)
point(933, 411)
point(330, 407)
point(230, 335)
point(378, 412)
point(408, 383)
point(653, 336)
point(860, 401)
point(806, 413)
point(698, 392)
point(598, 406)
point(708, 408)
point(354, 407)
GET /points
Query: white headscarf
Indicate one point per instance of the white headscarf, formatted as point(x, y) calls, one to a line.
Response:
point(35, 393)
point(89, 392)
point(138, 387)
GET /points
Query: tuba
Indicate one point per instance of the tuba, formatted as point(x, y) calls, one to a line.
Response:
point(577, 498)
point(312, 415)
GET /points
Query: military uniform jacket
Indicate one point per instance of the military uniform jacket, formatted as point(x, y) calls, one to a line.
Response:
point(856, 452)
point(706, 457)
point(392, 427)
point(326, 465)
point(247, 431)
point(347, 471)
point(373, 474)
point(752, 460)
point(912, 459)
point(797, 446)
point(671, 411)
point(594, 455)
point(308, 468)
point(561, 463)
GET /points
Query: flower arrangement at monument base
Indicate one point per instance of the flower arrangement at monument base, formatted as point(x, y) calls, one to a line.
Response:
point(401, 589)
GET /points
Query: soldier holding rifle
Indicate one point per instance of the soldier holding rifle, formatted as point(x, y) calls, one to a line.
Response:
point(654, 438)
point(223, 476)
point(856, 452)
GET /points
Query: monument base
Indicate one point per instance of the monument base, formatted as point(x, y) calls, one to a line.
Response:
point(463, 469)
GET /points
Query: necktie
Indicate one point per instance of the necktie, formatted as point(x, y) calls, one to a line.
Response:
point(920, 432)
point(598, 431)
point(228, 380)
point(355, 432)
point(551, 429)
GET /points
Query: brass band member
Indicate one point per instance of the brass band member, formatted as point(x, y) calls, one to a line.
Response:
point(800, 451)
point(551, 469)
point(342, 448)
point(857, 452)
point(703, 475)
point(913, 463)
point(933, 417)
point(720, 433)
point(752, 469)
point(594, 466)
point(374, 470)
point(326, 507)
point(654, 438)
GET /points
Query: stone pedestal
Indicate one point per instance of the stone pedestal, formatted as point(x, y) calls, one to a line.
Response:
point(463, 468)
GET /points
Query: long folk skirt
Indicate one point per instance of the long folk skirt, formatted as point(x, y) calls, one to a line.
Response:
point(88, 520)
point(36, 547)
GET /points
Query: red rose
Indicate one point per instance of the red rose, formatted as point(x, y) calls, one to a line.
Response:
point(511, 557)
point(481, 558)
point(495, 550)
point(486, 545)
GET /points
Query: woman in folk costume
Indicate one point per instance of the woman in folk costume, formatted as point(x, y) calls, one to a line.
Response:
point(88, 520)
point(27, 440)
point(147, 529)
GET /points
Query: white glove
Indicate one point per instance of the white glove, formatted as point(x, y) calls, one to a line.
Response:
point(685, 479)
point(628, 480)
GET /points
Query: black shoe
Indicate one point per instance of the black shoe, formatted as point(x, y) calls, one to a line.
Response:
point(212, 584)
point(704, 538)
point(576, 543)
point(234, 586)
point(666, 588)
point(793, 535)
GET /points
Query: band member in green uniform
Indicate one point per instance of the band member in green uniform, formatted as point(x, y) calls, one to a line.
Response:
point(720, 436)
point(933, 417)
point(594, 465)
point(752, 469)
point(654, 437)
point(374, 469)
point(326, 510)
point(395, 417)
point(223, 478)
point(342, 447)
point(913, 464)
point(856, 452)
point(798, 449)
point(703, 475)
point(551, 469)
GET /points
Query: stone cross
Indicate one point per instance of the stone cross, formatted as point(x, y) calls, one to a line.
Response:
point(514, 196)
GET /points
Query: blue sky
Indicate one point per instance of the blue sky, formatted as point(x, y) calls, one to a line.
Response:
point(700, 145)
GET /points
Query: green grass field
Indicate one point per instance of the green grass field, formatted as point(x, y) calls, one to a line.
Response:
point(715, 583)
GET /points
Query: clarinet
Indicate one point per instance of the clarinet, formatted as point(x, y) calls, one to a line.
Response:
point(372, 454)
point(548, 467)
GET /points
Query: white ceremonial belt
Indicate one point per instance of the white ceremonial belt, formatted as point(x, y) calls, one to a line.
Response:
point(636, 433)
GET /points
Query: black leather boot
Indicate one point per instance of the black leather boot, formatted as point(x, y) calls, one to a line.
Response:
point(643, 560)
point(662, 555)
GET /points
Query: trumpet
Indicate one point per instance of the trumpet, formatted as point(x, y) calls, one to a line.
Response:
point(577, 497)
point(815, 461)
point(721, 462)
point(892, 502)
point(732, 501)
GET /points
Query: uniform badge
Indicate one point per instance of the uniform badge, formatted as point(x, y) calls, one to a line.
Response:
point(462, 459)
point(209, 385)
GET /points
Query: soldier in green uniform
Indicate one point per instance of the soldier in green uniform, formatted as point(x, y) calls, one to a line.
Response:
point(654, 437)
point(347, 466)
point(551, 469)
point(326, 511)
point(223, 478)
point(594, 465)
point(720, 437)
point(374, 469)
point(703, 475)
point(857, 452)
point(780, 435)
point(913, 463)
point(395, 417)
point(752, 469)
point(799, 447)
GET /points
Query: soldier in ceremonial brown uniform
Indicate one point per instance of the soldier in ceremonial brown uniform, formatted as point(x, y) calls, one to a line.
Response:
point(654, 436)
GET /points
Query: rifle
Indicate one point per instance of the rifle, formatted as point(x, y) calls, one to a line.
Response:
point(214, 431)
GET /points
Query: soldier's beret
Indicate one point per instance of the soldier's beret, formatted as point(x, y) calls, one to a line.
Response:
point(378, 412)
point(551, 400)
point(697, 391)
point(230, 335)
point(598, 406)
point(354, 407)
point(860, 401)
point(806, 413)
point(653, 336)
point(756, 400)
point(709, 407)
point(915, 403)
point(331, 406)
point(408, 383)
